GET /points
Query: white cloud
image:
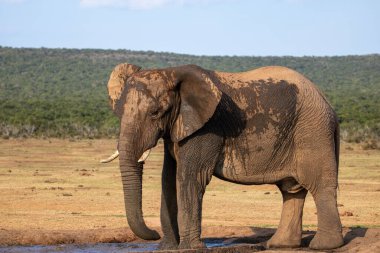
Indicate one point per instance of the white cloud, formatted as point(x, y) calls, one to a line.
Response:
point(133, 4)
point(12, 1)
point(141, 4)
point(296, 1)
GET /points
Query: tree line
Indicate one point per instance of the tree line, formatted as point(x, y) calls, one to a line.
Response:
point(62, 92)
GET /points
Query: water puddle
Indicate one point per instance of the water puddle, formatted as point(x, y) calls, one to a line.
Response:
point(213, 243)
point(99, 248)
point(84, 248)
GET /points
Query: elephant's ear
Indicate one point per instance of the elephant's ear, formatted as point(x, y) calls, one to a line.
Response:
point(199, 97)
point(118, 80)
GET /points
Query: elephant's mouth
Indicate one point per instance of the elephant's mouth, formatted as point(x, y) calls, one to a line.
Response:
point(115, 155)
point(142, 158)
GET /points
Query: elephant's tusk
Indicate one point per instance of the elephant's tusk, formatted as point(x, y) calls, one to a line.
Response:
point(144, 156)
point(111, 158)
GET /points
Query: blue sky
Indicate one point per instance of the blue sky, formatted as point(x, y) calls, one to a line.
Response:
point(200, 27)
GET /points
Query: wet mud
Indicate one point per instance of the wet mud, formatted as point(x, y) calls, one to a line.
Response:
point(218, 240)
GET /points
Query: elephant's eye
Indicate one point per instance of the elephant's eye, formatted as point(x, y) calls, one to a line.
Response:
point(154, 114)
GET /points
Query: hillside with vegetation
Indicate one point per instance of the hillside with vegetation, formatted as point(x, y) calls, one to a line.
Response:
point(62, 92)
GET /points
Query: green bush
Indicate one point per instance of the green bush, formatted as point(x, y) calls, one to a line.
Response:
point(62, 92)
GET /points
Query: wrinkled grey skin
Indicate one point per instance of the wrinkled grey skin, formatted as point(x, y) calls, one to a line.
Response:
point(266, 126)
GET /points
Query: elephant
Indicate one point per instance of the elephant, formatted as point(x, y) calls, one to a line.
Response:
point(270, 125)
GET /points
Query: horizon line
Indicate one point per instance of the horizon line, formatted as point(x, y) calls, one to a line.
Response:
point(184, 54)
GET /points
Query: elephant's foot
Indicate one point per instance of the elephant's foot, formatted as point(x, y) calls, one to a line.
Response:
point(325, 241)
point(194, 244)
point(284, 240)
point(167, 244)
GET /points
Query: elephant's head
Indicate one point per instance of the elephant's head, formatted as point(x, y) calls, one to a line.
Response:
point(171, 103)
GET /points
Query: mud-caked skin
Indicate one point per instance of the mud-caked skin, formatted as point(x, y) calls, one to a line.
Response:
point(266, 126)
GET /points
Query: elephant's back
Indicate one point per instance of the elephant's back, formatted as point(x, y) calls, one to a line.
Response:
point(273, 73)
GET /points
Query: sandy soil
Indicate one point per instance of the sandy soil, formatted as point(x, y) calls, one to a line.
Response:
point(55, 191)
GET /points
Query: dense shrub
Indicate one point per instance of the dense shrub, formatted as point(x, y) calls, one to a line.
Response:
point(62, 92)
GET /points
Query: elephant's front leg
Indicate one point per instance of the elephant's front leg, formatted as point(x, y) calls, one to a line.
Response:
point(196, 161)
point(169, 207)
point(190, 193)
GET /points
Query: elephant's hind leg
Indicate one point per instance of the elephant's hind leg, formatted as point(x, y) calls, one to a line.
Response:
point(289, 231)
point(319, 177)
point(329, 233)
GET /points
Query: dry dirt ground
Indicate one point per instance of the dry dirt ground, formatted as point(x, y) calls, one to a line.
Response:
point(56, 191)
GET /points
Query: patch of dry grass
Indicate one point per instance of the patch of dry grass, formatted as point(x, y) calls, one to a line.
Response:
point(59, 184)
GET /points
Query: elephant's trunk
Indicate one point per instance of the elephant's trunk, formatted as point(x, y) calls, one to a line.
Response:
point(131, 174)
